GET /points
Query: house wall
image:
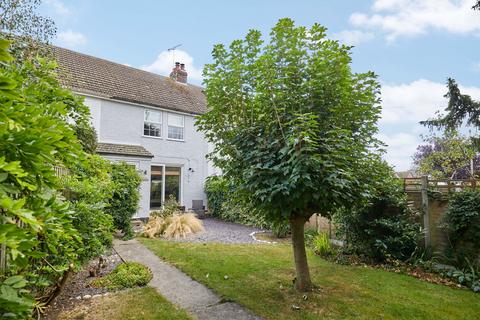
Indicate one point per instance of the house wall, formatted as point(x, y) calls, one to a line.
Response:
point(118, 122)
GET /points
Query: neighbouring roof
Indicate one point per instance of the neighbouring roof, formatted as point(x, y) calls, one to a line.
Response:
point(123, 149)
point(94, 76)
point(406, 174)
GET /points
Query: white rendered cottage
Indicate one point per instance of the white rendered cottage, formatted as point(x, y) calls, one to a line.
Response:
point(146, 120)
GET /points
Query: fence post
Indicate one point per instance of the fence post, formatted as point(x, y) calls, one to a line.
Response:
point(426, 215)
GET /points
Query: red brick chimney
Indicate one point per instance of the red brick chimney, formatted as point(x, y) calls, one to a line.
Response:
point(179, 73)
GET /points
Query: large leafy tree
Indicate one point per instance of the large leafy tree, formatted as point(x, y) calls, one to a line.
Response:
point(292, 125)
point(461, 109)
point(446, 156)
point(21, 18)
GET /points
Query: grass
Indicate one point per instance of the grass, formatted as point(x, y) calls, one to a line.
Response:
point(260, 278)
point(134, 304)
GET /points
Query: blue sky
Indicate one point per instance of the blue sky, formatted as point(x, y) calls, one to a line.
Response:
point(413, 45)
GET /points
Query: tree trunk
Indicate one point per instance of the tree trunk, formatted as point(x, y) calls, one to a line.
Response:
point(302, 282)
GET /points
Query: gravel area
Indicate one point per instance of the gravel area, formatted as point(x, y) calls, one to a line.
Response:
point(223, 232)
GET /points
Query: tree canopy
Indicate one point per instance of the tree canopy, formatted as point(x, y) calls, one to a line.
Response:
point(291, 123)
point(461, 109)
point(20, 18)
point(446, 157)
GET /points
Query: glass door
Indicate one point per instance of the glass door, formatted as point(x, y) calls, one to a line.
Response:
point(165, 183)
point(172, 183)
point(156, 188)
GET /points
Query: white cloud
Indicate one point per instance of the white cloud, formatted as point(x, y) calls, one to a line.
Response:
point(400, 149)
point(353, 37)
point(58, 7)
point(163, 64)
point(403, 107)
point(71, 38)
point(416, 101)
point(414, 17)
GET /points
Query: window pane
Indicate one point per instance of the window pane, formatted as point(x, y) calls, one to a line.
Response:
point(156, 188)
point(152, 129)
point(172, 182)
point(175, 133)
point(153, 116)
point(175, 120)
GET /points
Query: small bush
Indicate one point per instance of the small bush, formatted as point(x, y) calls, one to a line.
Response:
point(125, 275)
point(227, 203)
point(322, 246)
point(126, 196)
point(462, 222)
point(280, 229)
point(170, 207)
point(154, 227)
point(181, 225)
point(382, 226)
point(88, 188)
point(173, 227)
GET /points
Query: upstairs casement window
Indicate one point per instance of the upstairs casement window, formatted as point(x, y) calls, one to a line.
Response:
point(152, 123)
point(176, 126)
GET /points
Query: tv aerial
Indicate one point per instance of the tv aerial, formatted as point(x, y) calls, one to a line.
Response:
point(172, 50)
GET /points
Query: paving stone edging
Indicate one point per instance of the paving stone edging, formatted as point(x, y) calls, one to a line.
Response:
point(261, 241)
point(180, 289)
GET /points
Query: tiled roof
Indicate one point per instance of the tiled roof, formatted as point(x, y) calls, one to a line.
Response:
point(123, 149)
point(90, 75)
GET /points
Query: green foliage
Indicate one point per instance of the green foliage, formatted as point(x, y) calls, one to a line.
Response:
point(383, 227)
point(89, 189)
point(226, 202)
point(280, 229)
point(21, 20)
point(87, 136)
point(469, 276)
point(292, 125)
point(445, 157)
point(35, 136)
point(126, 196)
point(321, 245)
point(125, 275)
point(462, 222)
point(170, 207)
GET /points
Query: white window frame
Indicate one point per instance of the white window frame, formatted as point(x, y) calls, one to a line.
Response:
point(154, 122)
point(175, 126)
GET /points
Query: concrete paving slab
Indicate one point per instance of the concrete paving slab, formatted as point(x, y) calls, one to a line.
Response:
point(180, 289)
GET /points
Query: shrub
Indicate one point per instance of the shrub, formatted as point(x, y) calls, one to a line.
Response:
point(382, 226)
point(181, 225)
point(37, 227)
point(280, 229)
point(154, 227)
point(462, 222)
point(88, 187)
point(173, 226)
point(321, 245)
point(126, 196)
point(170, 207)
point(227, 203)
point(125, 275)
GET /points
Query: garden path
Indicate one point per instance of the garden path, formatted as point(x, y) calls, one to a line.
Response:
point(179, 288)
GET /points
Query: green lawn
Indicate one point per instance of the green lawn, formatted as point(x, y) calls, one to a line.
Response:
point(135, 304)
point(259, 277)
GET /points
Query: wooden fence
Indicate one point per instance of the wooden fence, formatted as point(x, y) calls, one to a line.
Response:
point(433, 209)
point(444, 186)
